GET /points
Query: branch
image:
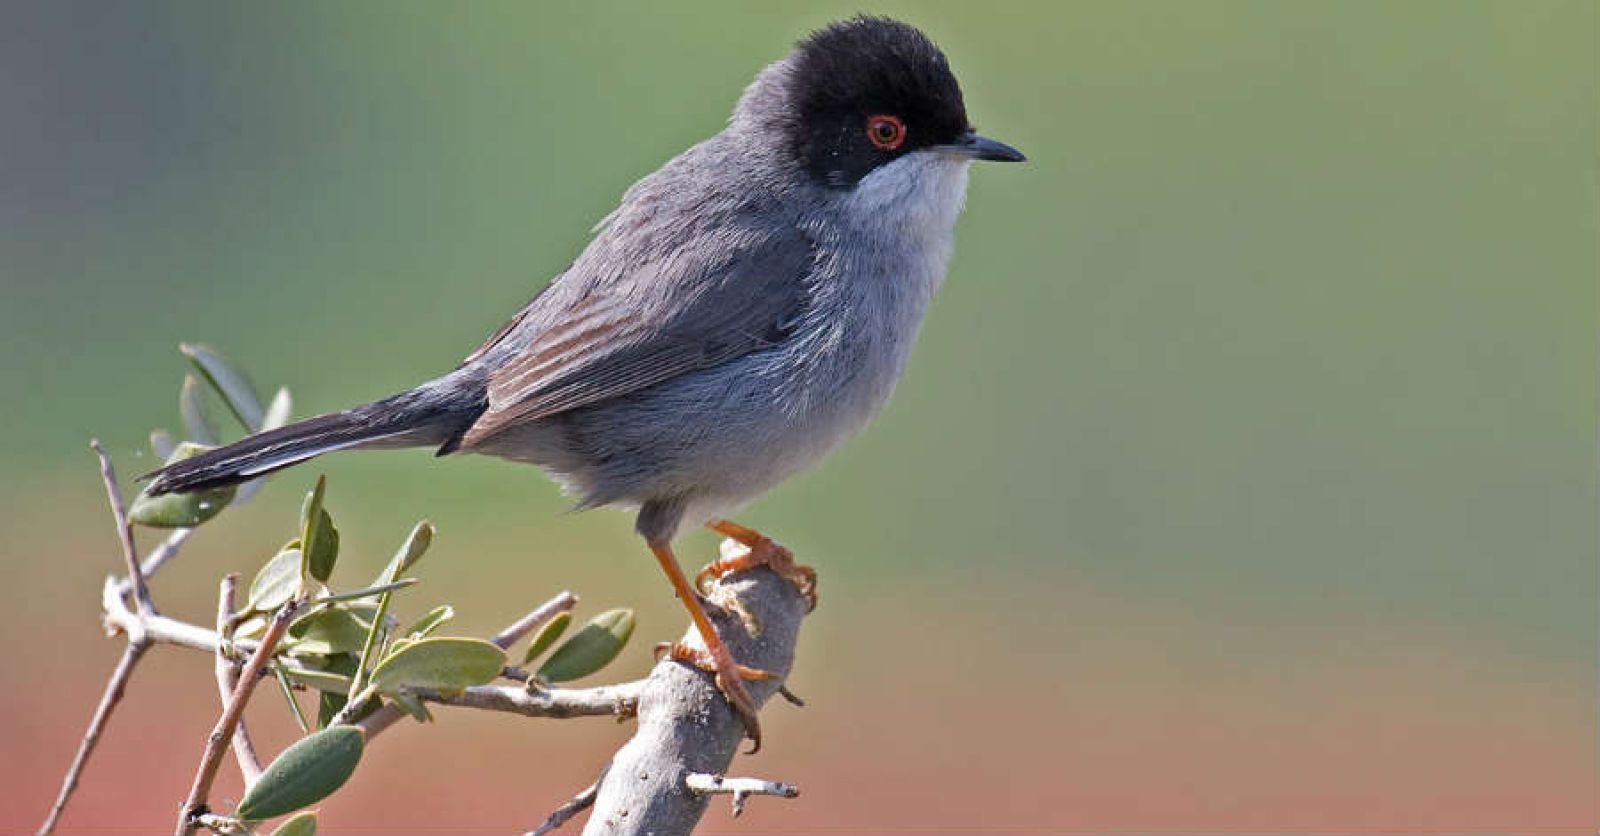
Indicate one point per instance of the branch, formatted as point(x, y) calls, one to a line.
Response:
point(741, 788)
point(228, 680)
point(138, 642)
point(685, 725)
point(108, 702)
point(389, 714)
point(217, 743)
point(141, 592)
point(553, 703)
point(164, 551)
point(577, 804)
point(536, 618)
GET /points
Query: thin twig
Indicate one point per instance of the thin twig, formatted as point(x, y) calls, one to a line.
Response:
point(554, 703)
point(108, 702)
point(573, 806)
point(217, 742)
point(141, 592)
point(164, 551)
point(741, 788)
point(228, 679)
point(535, 619)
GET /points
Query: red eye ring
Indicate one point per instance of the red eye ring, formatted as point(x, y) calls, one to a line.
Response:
point(885, 132)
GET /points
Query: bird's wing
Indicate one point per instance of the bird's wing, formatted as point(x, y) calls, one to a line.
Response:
point(592, 338)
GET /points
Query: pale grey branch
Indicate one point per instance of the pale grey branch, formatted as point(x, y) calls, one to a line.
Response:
point(573, 806)
point(119, 513)
point(685, 725)
point(563, 602)
point(108, 702)
point(164, 551)
point(740, 788)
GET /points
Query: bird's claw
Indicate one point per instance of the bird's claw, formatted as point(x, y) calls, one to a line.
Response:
point(764, 551)
point(729, 677)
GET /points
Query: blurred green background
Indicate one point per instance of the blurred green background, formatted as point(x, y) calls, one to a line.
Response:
point(1244, 477)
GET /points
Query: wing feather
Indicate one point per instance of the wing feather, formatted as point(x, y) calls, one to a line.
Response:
point(617, 337)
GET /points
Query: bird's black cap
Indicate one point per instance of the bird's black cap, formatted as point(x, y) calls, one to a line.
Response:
point(868, 90)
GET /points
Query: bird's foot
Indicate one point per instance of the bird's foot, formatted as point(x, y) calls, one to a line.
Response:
point(762, 551)
point(729, 677)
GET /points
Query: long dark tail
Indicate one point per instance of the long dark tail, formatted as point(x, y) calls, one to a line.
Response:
point(434, 414)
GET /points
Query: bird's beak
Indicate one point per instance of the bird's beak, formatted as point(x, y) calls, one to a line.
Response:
point(974, 146)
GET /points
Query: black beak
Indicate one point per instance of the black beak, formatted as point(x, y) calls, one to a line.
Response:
point(977, 147)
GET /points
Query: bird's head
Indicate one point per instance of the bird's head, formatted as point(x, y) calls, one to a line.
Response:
point(859, 95)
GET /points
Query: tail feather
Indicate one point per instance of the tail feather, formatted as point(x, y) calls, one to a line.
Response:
point(412, 419)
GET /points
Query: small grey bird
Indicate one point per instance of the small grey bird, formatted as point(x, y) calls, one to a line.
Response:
point(746, 308)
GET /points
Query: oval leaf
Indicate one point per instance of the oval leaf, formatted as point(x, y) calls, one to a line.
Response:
point(196, 418)
point(317, 530)
point(591, 648)
point(306, 772)
point(411, 551)
point(163, 444)
point(327, 681)
point(236, 390)
point(180, 510)
point(332, 630)
point(446, 664)
point(277, 582)
point(299, 824)
point(413, 706)
point(430, 622)
point(277, 413)
point(547, 636)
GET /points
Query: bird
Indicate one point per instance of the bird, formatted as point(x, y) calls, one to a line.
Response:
point(745, 309)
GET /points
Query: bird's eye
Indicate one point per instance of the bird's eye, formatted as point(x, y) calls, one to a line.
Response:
point(886, 132)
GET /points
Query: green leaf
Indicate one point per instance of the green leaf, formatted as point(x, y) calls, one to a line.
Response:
point(435, 619)
point(299, 824)
point(325, 681)
point(252, 626)
point(332, 701)
point(332, 630)
point(180, 510)
point(447, 664)
point(547, 636)
point(411, 551)
point(278, 410)
point(318, 531)
point(234, 387)
point(196, 417)
point(163, 444)
point(306, 772)
point(277, 582)
point(591, 648)
point(413, 706)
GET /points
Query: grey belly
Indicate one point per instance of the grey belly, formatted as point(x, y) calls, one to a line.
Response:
point(715, 438)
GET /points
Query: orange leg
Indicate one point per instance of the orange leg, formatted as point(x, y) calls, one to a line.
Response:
point(716, 657)
point(764, 551)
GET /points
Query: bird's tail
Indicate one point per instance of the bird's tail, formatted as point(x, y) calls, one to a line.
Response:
point(432, 415)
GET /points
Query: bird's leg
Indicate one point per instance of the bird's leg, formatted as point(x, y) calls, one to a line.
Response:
point(680, 652)
point(763, 551)
point(716, 658)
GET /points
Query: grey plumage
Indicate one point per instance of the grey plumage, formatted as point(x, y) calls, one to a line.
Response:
point(747, 307)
